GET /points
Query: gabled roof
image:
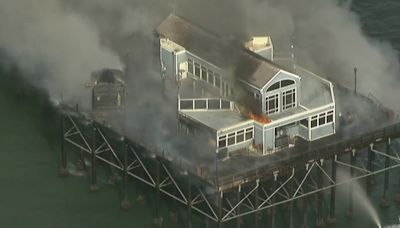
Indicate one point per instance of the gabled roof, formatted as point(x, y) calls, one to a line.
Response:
point(248, 66)
point(254, 70)
point(200, 42)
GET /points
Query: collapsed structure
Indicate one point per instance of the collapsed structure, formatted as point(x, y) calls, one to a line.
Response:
point(238, 96)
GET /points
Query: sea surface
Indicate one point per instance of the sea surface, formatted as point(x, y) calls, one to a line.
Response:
point(32, 194)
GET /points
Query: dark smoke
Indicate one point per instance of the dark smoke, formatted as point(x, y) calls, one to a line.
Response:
point(65, 40)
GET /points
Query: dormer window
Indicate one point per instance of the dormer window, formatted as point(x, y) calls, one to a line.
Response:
point(280, 84)
point(280, 96)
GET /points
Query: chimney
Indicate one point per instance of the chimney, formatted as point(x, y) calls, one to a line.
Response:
point(261, 45)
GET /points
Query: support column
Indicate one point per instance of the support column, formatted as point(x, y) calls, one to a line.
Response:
point(385, 201)
point(158, 219)
point(189, 204)
point(63, 172)
point(273, 209)
point(350, 212)
point(220, 215)
point(93, 183)
point(257, 215)
point(125, 204)
point(238, 198)
point(332, 217)
point(320, 218)
point(291, 205)
point(369, 167)
point(305, 204)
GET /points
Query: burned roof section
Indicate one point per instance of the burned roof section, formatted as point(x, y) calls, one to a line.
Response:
point(255, 70)
point(109, 76)
point(223, 52)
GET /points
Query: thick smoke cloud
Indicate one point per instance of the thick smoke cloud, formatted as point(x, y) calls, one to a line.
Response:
point(55, 49)
point(63, 41)
point(329, 40)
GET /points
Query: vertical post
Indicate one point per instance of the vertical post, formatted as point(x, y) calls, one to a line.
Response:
point(257, 215)
point(385, 201)
point(320, 219)
point(351, 184)
point(238, 198)
point(355, 79)
point(93, 185)
point(273, 209)
point(125, 204)
point(220, 196)
point(189, 203)
point(63, 172)
point(305, 204)
point(369, 167)
point(157, 219)
point(332, 217)
point(291, 204)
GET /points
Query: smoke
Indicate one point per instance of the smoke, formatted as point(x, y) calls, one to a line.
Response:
point(53, 48)
point(329, 40)
point(58, 43)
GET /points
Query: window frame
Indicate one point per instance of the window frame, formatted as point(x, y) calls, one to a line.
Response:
point(277, 103)
point(290, 92)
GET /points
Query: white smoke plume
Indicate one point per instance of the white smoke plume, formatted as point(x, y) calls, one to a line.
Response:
point(55, 49)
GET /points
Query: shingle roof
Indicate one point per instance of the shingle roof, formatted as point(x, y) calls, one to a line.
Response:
point(248, 67)
point(254, 70)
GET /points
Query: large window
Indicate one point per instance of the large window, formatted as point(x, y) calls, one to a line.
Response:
point(190, 66)
point(280, 84)
point(197, 69)
point(236, 137)
point(289, 99)
point(272, 104)
point(217, 81)
point(203, 73)
point(210, 77)
point(322, 119)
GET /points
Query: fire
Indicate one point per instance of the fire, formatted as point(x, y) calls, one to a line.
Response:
point(259, 118)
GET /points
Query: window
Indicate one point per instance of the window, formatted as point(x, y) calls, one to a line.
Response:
point(231, 139)
point(249, 133)
point(304, 123)
point(190, 66)
point(286, 83)
point(280, 84)
point(210, 77)
point(240, 136)
point(200, 104)
point(322, 119)
point(272, 104)
point(314, 121)
point(186, 104)
point(222, 141)
point(329, 117)
point(203, 73)
point(217, 81)
point(197, 69)
point(289, 99)
point(274, 86)
point(236, 137)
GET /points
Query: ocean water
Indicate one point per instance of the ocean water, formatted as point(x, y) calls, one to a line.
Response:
point(32, 194)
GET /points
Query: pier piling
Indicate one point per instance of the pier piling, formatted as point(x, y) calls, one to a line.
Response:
point(93, 180)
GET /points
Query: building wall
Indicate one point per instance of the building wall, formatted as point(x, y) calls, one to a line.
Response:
point(322, 131)
point(303, 132)
point(168, 62)
point(282, 75)
point(269, 140)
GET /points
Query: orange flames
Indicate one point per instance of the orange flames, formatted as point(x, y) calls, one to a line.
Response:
point(259, 118)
